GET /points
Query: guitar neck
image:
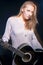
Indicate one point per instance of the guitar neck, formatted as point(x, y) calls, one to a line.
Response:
point(12, 49)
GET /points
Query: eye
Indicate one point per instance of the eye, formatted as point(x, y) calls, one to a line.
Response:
point(28, 10)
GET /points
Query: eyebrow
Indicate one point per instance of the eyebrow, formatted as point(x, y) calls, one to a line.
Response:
point(29, 10)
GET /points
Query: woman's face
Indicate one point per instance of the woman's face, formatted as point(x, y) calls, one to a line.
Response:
point(28, 12)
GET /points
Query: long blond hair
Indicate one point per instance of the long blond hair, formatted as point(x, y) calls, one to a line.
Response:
point(33, 20)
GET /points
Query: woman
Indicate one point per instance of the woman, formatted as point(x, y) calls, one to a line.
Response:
point(21, 27)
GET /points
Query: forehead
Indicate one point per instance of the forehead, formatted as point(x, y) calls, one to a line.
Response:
point(29, 7)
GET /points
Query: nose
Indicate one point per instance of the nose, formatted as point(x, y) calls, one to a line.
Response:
point(30, 13)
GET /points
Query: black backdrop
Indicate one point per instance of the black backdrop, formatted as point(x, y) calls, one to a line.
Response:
point(11, 7)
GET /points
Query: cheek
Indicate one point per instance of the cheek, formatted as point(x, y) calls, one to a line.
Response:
point(26, 13)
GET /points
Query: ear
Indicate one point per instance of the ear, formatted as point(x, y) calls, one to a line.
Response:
point(22, 10)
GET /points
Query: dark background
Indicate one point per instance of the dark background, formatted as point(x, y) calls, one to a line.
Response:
point(11, 7)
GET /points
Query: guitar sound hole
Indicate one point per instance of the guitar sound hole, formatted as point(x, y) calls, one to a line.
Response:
point(27, 57)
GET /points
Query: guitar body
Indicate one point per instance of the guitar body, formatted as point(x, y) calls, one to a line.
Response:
point(31, 57)
point(24, 54)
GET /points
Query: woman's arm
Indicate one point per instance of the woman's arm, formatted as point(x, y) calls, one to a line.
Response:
point(7, 32)
point(35, 41)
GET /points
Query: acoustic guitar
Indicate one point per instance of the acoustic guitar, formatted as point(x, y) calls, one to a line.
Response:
point(24, 54)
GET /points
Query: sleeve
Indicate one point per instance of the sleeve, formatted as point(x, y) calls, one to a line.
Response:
point(36, 43)
point(6, 35)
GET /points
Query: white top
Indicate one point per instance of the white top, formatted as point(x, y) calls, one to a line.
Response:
point(19, 35)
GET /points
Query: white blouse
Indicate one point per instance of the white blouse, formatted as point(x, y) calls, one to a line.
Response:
point(15, 29)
